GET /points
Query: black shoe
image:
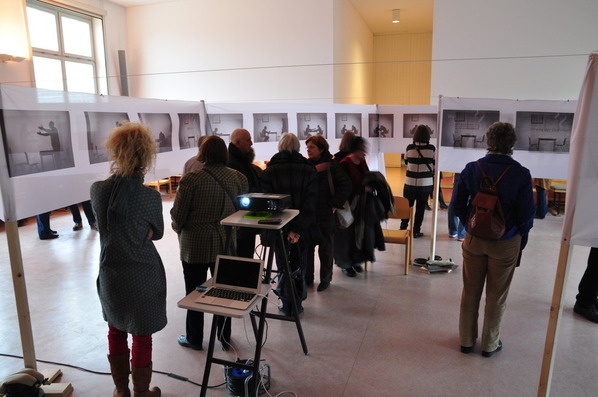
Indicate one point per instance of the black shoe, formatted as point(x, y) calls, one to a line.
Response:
point(418, 235)
point(350, 272)
point(358, 268)
point(49, 237)
point(78, 226)
point(428, 208)
point(490, 354)
point(285, 311)
point(323, 286)
point(466, 349)
point(185, 343)
point(589, 313)
point(53, 232)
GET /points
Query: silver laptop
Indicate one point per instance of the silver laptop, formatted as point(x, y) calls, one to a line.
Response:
point(236, 282)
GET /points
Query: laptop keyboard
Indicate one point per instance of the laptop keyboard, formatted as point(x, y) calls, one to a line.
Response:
point(230, 294)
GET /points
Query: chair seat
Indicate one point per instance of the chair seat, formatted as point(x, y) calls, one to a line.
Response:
point(395, 236)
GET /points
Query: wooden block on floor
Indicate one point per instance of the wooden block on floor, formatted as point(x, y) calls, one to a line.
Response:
point(51, 374)
point(57, 389)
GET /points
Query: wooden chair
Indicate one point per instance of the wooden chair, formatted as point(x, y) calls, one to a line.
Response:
point(405, 237)
point(174, 183)
point(159, 184)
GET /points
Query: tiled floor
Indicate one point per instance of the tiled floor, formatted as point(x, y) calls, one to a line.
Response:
point(379, 334)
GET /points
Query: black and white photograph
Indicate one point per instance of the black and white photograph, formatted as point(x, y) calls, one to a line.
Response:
point(309, 124)
point(412, 120)
point(381, 125)
point(223, 124)
point(189, 130)
point(161, 126)
point(37, 141)
point(347, 122)
point(467, 128)
point(543, 131)
point(99, 125)
point(268, 127)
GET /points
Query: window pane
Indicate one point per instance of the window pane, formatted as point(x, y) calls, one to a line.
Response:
point(77, 36)
point(79, 77)
point(42, 29)
point(48, 73)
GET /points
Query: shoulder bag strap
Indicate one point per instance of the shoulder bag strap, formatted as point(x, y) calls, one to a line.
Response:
point(330, 182)
point(230, 196)
point(422, 156)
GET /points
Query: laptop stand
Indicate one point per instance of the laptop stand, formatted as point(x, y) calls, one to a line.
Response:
point(258, 318)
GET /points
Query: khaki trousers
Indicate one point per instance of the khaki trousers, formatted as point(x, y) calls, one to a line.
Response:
point(491, 263)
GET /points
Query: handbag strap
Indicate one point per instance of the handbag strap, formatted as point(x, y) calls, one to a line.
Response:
point(330, 183)
point(230, 196)
point(422, 156)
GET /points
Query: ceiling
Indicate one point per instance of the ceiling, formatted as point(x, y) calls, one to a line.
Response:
point(416, 15)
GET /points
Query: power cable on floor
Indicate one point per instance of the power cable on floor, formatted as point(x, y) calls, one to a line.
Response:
point(170, 375)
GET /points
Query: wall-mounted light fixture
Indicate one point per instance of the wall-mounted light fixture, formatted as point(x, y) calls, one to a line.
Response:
point(396, 15)
point(13, 33)
point(9, 58)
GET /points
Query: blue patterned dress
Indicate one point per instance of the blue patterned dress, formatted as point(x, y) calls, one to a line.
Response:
point(131, 282)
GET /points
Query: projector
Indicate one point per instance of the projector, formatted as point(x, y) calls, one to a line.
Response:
point(263, 202)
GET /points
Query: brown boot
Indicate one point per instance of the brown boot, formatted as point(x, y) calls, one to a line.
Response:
point(119, 367)
point(141, 381)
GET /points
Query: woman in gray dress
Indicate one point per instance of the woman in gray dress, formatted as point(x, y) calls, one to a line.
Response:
point(131, 282)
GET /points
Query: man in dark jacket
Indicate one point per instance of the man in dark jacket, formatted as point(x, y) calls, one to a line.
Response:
point(240, 158)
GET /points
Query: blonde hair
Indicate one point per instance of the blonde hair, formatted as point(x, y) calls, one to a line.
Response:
point(289, 142)
point(132, 149)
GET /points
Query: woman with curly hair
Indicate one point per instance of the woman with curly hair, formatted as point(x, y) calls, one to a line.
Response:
point(131, 282)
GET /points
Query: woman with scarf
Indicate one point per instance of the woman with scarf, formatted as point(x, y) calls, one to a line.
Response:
point(131, 282)
point(288, 172)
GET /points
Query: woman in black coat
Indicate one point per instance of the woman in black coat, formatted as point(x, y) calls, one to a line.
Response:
point(288, 172)
point(334, 187)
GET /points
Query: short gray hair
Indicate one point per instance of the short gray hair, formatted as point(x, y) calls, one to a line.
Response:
point(289, 142)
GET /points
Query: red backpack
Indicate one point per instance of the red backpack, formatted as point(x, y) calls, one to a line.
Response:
point(486, 219)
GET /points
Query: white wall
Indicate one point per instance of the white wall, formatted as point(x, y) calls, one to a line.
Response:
point(532, 43)
point(353, 54)
point(232, 51)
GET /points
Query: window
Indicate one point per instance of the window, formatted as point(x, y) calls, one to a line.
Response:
point(68, 49)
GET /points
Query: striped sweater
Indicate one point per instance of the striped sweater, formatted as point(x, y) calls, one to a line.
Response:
point(420, 168)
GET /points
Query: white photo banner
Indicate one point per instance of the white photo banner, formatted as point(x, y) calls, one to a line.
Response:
point(580, 227)
point(543, 132)
point(53, 144)
point(267, 121)
point(53, 140)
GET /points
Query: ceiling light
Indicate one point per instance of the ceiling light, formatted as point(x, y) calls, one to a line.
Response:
point(396, 16)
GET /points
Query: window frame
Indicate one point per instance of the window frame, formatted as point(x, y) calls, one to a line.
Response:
point(97, 59)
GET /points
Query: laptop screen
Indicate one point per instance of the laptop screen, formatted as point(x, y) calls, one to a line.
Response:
point(239, 272)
